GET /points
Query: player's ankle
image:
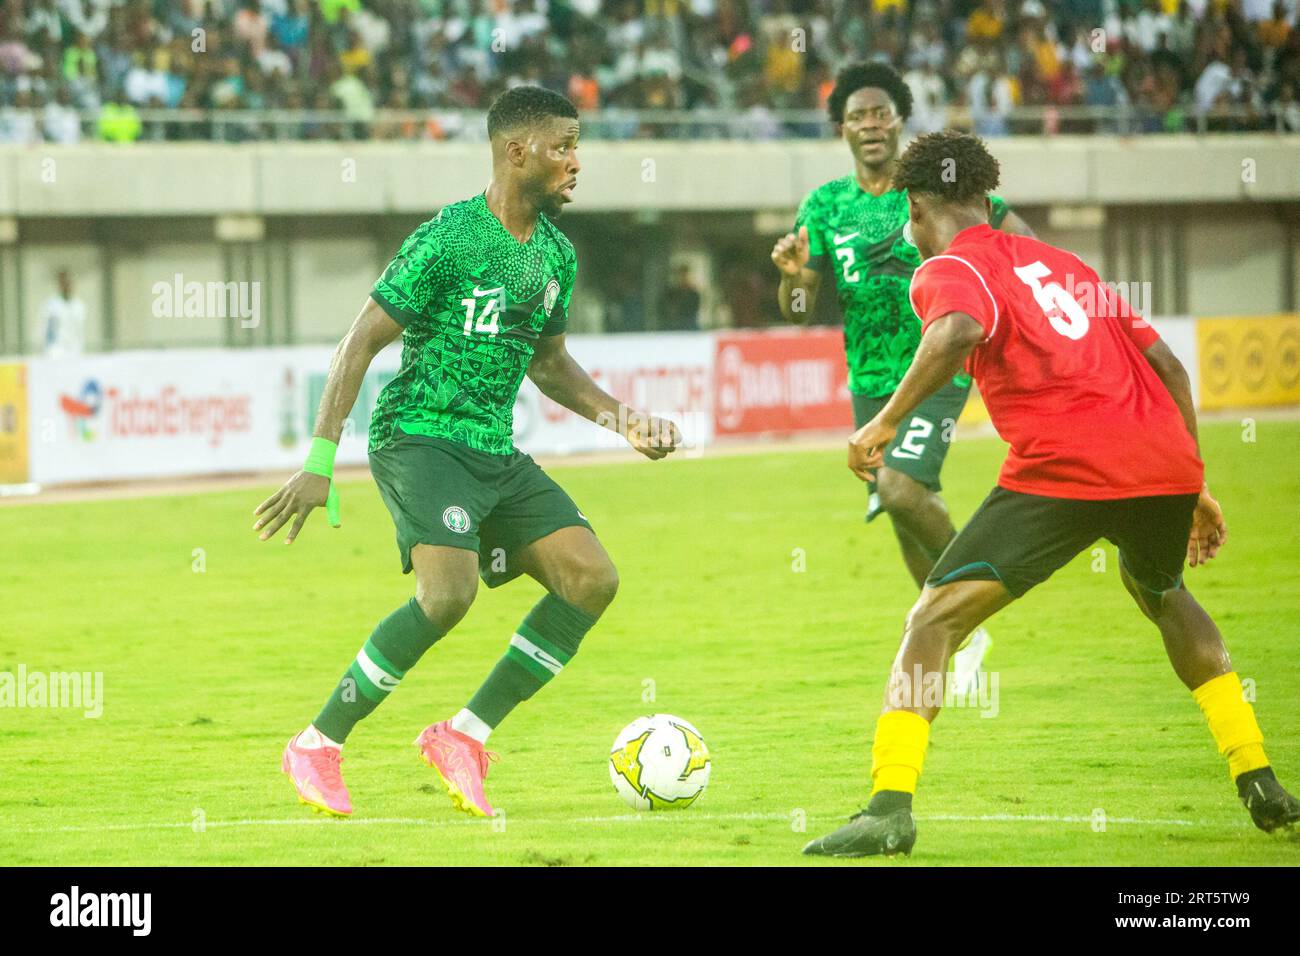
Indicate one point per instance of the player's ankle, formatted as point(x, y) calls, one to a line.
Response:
point(1244, 780)
point(468, 723)
point(313, 739)
point(887, 801)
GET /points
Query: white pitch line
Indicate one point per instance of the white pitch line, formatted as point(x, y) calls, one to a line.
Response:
point(1048, 818)
point(618, 818)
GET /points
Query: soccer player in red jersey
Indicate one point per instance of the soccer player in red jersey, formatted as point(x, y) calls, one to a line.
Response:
point(1099, 415)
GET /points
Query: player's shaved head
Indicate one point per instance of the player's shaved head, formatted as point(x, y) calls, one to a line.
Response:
point(526, 107)
point(534, 134)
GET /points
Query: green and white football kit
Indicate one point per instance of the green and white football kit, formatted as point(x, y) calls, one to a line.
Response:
point(863, 241)
point(473, 301)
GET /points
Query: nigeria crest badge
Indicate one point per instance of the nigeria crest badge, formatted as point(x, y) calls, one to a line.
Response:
point(456, 519)
point(550, 295)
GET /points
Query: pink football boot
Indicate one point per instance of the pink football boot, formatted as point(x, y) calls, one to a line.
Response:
point(315, 774)
point(461, 762)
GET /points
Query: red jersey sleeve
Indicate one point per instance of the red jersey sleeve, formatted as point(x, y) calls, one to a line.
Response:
point(943, 284)
point(1135, 326)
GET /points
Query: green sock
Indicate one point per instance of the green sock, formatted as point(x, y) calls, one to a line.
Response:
point(546, 641)
point(396, 644)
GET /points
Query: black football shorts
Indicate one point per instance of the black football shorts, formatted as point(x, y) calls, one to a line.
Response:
point(1022, 540)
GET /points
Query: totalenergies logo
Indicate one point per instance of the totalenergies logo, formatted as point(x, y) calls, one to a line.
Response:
point(84, 409)
point(155, 413)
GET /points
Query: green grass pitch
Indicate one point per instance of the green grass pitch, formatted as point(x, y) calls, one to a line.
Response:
point(207, 673)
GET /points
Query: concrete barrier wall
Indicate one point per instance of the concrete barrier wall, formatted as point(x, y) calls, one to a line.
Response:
point(308, 179)
point(1212, 223)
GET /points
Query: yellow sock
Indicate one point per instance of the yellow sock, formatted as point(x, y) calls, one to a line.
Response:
point(1232, 721)
point(898, 751)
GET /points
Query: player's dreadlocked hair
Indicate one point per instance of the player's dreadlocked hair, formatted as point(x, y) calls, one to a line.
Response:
point(955, 166)
point(857, 76)
point(522, 106)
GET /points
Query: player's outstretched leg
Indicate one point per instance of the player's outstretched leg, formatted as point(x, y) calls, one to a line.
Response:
point(581, 582)
point(941, 617)
point(1200, 658)
point(920, 519)
point(446, 579)
point(924, 528)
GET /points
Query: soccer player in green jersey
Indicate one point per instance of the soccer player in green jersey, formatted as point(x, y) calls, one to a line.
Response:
point(480, 296)
point(855, 228)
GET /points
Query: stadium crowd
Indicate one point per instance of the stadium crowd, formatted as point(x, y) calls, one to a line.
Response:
point(123, 70)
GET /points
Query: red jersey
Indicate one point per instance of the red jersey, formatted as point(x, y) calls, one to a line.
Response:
point(1061, 370)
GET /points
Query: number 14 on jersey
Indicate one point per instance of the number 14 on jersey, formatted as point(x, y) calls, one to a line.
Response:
point(485, 319)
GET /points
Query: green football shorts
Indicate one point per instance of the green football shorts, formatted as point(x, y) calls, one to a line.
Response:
point(922, 442)
point(442, 493)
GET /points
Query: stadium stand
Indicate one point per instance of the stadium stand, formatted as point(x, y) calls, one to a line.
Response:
point(250, 70)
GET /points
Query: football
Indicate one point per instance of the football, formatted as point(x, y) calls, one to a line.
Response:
point(659, 763)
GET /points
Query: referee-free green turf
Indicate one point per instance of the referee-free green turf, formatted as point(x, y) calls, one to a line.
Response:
point(754, 603)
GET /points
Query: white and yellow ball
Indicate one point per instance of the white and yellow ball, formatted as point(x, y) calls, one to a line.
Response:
point(659, 763)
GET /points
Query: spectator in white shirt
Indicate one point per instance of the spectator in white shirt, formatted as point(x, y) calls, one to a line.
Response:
point(1257, 11)
point(64, 319)
point(1213, 82)
point(18, 122)
point(60, 121)
point(1287, 108)
point(991, 98)
point(1145, 29)
point(144, 85)
point(929, 99)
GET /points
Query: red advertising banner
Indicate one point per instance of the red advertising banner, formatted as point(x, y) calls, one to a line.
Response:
point(784, 380)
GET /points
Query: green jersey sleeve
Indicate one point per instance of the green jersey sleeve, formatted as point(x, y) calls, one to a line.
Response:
point(998, 212)
point(557, 322)
point(410, 281)
point(810, 215)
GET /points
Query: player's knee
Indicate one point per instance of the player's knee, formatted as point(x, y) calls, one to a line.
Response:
point(939, 616)
point(898, 493)
point(1148, 604)
point(589, 584)
point(444, 603)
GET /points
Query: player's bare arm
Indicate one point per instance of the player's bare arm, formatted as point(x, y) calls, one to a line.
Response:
point(797, 293)
point(560, 378)
point(1175, 378)
point(941, 355)
point(304, 492)
point(1209, 530)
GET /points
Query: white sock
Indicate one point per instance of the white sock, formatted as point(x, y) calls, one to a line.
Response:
point(466, 723)
point(312, 739)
